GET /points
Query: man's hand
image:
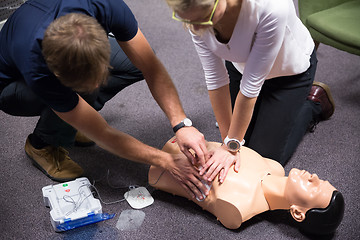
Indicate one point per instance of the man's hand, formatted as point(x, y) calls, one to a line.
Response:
point(219, 163)
point(188, 176)
point(190, 138)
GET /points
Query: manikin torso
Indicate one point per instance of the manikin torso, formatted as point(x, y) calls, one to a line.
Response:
point(236, 200)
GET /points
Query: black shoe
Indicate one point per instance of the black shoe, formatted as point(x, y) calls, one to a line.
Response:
point(320, 92)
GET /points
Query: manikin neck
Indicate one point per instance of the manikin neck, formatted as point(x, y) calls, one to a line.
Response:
point(274, 191)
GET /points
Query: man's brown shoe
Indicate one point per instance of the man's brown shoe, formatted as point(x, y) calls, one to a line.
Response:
point(54, 162)
point(320, 92)
point(83, 141)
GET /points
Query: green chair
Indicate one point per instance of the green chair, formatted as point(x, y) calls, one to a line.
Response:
point(333, 22)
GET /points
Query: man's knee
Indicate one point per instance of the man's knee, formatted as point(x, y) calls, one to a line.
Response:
point(18, 99)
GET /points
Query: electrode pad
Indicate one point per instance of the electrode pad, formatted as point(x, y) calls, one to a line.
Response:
point(139, 198)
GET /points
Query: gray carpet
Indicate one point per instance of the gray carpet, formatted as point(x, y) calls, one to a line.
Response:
point(332, 152)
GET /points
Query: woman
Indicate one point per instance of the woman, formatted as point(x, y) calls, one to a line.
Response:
point(259, 186)
point(272, 103)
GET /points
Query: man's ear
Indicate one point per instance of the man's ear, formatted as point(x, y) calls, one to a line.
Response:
point(298, 213)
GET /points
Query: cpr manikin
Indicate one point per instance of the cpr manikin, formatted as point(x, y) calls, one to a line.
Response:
point(259, 186)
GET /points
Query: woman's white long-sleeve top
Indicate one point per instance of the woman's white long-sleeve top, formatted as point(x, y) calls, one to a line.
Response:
point(268, 41)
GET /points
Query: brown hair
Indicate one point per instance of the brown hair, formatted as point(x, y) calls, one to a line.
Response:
point(77, 50)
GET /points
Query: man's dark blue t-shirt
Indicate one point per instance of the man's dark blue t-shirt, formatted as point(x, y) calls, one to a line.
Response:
point(22, 34)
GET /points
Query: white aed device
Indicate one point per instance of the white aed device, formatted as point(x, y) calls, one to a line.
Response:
point(73, 205)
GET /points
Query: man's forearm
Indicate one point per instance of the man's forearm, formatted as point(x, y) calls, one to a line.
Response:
point(164, 92)
point(85, 119)
point(126, 146)
point(162, 88)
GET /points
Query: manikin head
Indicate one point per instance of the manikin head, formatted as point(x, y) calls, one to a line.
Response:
point(314, 203)
point(77, 51)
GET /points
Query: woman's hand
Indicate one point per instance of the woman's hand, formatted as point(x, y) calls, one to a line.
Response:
point(219, 163)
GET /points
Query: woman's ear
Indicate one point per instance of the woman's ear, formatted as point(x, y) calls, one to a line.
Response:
point(298, 213)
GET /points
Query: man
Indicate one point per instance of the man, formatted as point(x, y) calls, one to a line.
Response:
point(55, 58)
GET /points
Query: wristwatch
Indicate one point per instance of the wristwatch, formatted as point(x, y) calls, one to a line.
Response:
point(184, 123)
point(233, 144)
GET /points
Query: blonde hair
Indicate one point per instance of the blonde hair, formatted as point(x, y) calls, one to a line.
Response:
point(77, 50)
point(183, 5)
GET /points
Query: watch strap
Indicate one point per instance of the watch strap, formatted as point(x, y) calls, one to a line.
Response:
point(239, 143)
point(182, 124)
point(178, 126)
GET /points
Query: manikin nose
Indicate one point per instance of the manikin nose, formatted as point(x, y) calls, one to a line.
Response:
point(313, 178)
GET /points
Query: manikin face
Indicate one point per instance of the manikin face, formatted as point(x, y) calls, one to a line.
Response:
point(307, 190)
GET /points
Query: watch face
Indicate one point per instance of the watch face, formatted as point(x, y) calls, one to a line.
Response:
point(187, 122)
point(233, 145)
